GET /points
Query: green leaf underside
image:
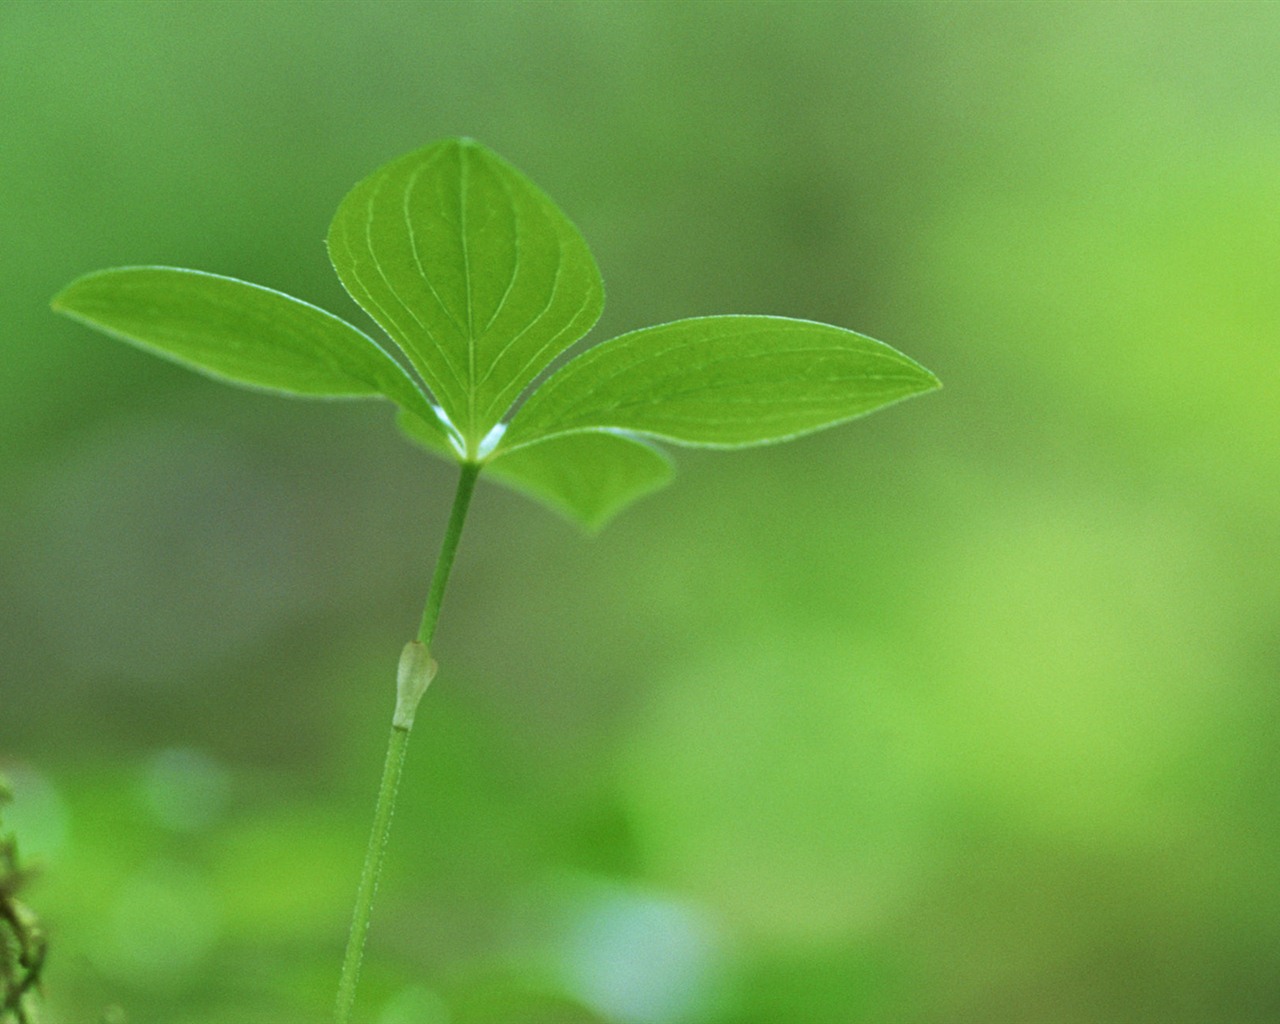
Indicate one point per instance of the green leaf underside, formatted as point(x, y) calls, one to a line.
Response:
point(239, 332)
point(474, 272)
point(724, 381)
point(587, 477)
point(590, 477)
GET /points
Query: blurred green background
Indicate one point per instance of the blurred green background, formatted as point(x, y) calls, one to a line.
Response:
point(967, 712)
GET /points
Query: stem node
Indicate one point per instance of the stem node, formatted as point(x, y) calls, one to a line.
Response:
point(417, 669)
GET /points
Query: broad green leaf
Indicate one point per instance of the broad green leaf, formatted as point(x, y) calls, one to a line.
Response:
point(587, 477)
point(239, 332)
point(722, 381)
point(474, 272)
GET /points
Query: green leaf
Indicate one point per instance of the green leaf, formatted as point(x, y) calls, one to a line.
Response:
point(722, 381)
point(588, 477)
point(423, 433)
point(239, 332)
point(473, 271)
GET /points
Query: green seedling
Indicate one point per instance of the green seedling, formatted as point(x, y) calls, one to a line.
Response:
point(481, 282)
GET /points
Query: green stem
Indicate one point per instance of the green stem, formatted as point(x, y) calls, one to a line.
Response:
point(448, 548)
point(397, 744)
point(416, 671)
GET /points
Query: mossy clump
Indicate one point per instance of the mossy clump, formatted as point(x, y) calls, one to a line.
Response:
point(22, 940)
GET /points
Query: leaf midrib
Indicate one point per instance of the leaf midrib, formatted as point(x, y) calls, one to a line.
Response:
point(466, 286)
point(603, 384)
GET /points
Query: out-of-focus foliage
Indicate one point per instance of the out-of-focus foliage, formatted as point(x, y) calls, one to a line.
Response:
point(964, 712)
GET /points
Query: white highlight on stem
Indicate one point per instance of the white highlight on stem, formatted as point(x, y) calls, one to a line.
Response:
point(416, 671)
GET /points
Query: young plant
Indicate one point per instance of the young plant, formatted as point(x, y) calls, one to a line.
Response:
point(482, 282)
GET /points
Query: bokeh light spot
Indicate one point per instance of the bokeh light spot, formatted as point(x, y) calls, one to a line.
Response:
point(415, 1004)
point(642, 959)
point(185, 789)
point(162, 927)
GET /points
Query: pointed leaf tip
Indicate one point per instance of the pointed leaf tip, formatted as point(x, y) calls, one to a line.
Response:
point(588, 478)
point(238, 332)
point(721, 381)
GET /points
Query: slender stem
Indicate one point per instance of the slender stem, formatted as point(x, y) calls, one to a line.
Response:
point(416, 671)
point(448, 548)
point(397, 744)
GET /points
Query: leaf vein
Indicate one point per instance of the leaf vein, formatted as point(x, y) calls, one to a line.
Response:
point(383, 317)
point(629, 366)
point(516, 382)
point(518, 378)
point(407, 335)
point(409, 187)
point(466, 280)
point(515, 265)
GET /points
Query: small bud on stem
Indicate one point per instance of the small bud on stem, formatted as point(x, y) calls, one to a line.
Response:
point(417, 669)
